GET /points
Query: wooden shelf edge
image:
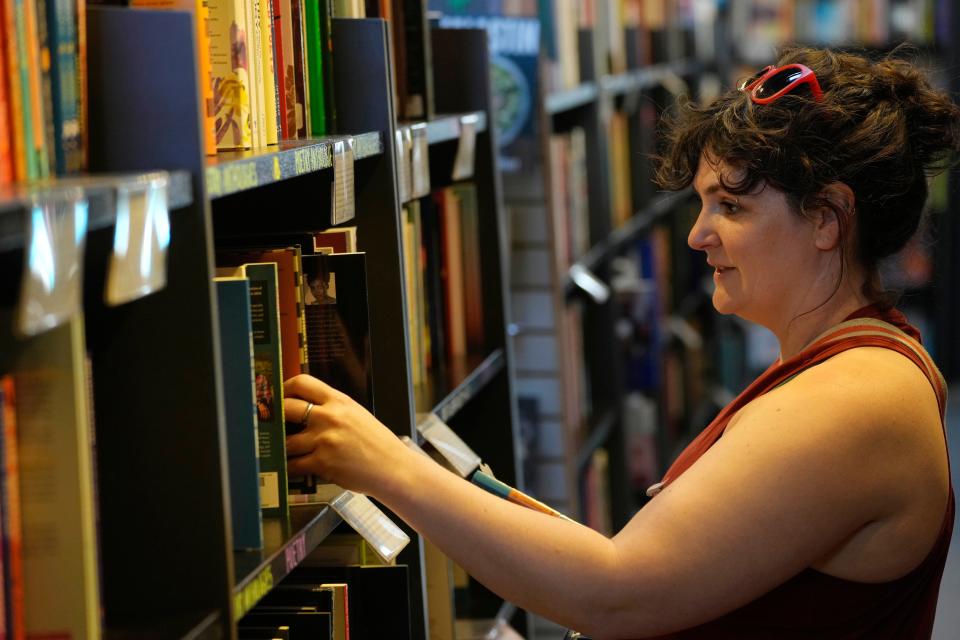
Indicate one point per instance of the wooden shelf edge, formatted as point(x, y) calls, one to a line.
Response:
point(316, 522)
point(100, 191)
point(228, 173)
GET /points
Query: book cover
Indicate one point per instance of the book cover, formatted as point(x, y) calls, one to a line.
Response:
point(60, 585)
point(313, 14)
point(230, 74)
point(338, 324)
point(413, 291)
point(268, 372)
point(24, 60)
point(258, 117)
point(201, 17)
point(289, 298)
point(335, 240)
point(11, 520)
point(466, 194)
point(62, 33)
point(83, 110)
point(326, 42)
point(315, 625)
point(240, 410)
point(328, 598)
point(38, 83)
point(452, 273)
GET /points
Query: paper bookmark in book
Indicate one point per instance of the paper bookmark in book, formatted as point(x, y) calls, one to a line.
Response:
point(454, 450)
point(343, 199)
point(465, 160)
point(56, 230)
point(405, 171)
point(419, 160)
point(138, 265)
point(369, 521)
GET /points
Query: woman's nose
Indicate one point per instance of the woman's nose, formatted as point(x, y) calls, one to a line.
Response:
point(702, 235)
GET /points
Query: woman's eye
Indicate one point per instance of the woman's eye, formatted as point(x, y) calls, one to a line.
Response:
point(730, 206)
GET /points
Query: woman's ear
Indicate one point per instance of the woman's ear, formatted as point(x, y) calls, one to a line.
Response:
point(834, 215)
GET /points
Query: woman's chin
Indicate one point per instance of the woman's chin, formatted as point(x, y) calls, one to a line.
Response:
point(722, 303)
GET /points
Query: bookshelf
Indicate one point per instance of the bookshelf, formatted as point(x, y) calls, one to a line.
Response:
point(165, 552)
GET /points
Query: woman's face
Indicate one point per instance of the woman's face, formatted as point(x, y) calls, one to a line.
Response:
point(762, 252)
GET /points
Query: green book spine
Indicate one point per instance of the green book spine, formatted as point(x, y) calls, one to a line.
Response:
point(237, 363)
point(315, 59)
point(265, 317)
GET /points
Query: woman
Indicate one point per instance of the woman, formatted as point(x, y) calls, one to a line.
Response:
point(825, 509)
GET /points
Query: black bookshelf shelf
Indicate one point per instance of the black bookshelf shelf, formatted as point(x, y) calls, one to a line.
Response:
point(196, 626)
point(284, 547)
point(599, 433)
point(659, 207)
point(231, 172)
point(646, 78)
point(570, 99)
point(466, 378)
point(446, 127)
point(100, 192)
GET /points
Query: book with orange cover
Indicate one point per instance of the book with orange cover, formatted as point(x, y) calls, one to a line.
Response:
point(6, 146)
point(12, 524)
point(37, 148)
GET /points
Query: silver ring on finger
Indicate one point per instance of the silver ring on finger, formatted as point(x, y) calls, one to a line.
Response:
point(306, 413)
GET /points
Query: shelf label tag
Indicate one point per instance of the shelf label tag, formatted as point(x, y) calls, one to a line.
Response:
point(454, 450)
point(420, 161)
point(405, 172)
point(589, 283)
point(138, 265)
point(51, 288)
point(343, 198)
point(464, 161)
point(357, 510)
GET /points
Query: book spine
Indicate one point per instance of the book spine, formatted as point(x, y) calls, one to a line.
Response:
point(279, 69)
point(12, 42)
point(270, 95)
point(6, 137)
point(62, 32)
point(230, 73)
point(12, 525)
point(298, 23)
point(326, 40)
point(314, 42)
point(255, 62)
point(48, 156)
point(82, 103)
point(23, 55)
point(38, 77)
point(202, 19)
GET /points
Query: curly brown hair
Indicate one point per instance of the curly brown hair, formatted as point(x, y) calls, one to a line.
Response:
point(880, 128)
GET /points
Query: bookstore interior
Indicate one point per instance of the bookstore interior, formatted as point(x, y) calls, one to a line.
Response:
point(442, 208)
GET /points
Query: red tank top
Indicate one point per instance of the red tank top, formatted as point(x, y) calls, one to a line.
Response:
point(813, 604)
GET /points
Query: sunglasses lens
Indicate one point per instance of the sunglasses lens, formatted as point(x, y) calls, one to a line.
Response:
point(777, 82)
point(749, 82)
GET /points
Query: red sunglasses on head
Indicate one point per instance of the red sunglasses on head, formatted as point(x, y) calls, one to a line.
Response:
point(771, 83)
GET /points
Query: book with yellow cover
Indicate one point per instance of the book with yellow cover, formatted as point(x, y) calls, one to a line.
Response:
point(230, 72)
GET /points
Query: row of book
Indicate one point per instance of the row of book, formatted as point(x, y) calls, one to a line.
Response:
point(42, 89)
point(266, 66)
point(349, 601)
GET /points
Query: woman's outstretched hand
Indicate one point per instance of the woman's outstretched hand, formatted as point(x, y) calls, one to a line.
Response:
point(340, 441)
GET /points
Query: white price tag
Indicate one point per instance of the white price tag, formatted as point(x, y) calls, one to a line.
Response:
point(420, 160)
point(343, 197)
point(51, 288)
point(404, 169)
point(138, 265)
point(464, 162)
point(454, 450)
point(369, 521)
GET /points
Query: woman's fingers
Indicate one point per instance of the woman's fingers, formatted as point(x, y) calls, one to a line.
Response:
point(300, 444)
point(308, 388)
point(300, 466)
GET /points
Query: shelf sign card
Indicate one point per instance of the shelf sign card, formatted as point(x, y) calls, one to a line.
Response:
point(419, 161)
point(51, 289)
point(138, 265)
point(357, 510)
point(454, 450)
point(343, 207)
point(465, 160)
point(404, 142)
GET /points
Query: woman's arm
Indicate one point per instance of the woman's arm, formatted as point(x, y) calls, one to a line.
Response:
point(803, 470)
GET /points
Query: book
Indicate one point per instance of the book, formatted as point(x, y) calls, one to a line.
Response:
point(240, 410)
point(314, 13)
point(38, 84)
point(277, 13)
point(62, 34)
point(335, 240)
point(11, 521)
point(473, 307)
point(452, 273)
point(201, 17)
point(413, 286)
point(258, 114)
point(329, 598)
point(268, 371)
point(271, 97)
point(289, 298)
point(53, 418)
point(338, 323)
point(315, 625)
point(299, 68)
point(15, 64)
point(230, 73)
point(6, 134)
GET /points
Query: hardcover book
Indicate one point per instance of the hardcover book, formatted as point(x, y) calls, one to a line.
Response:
point(240, 410)
point(268, 371)
point(230, 73)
